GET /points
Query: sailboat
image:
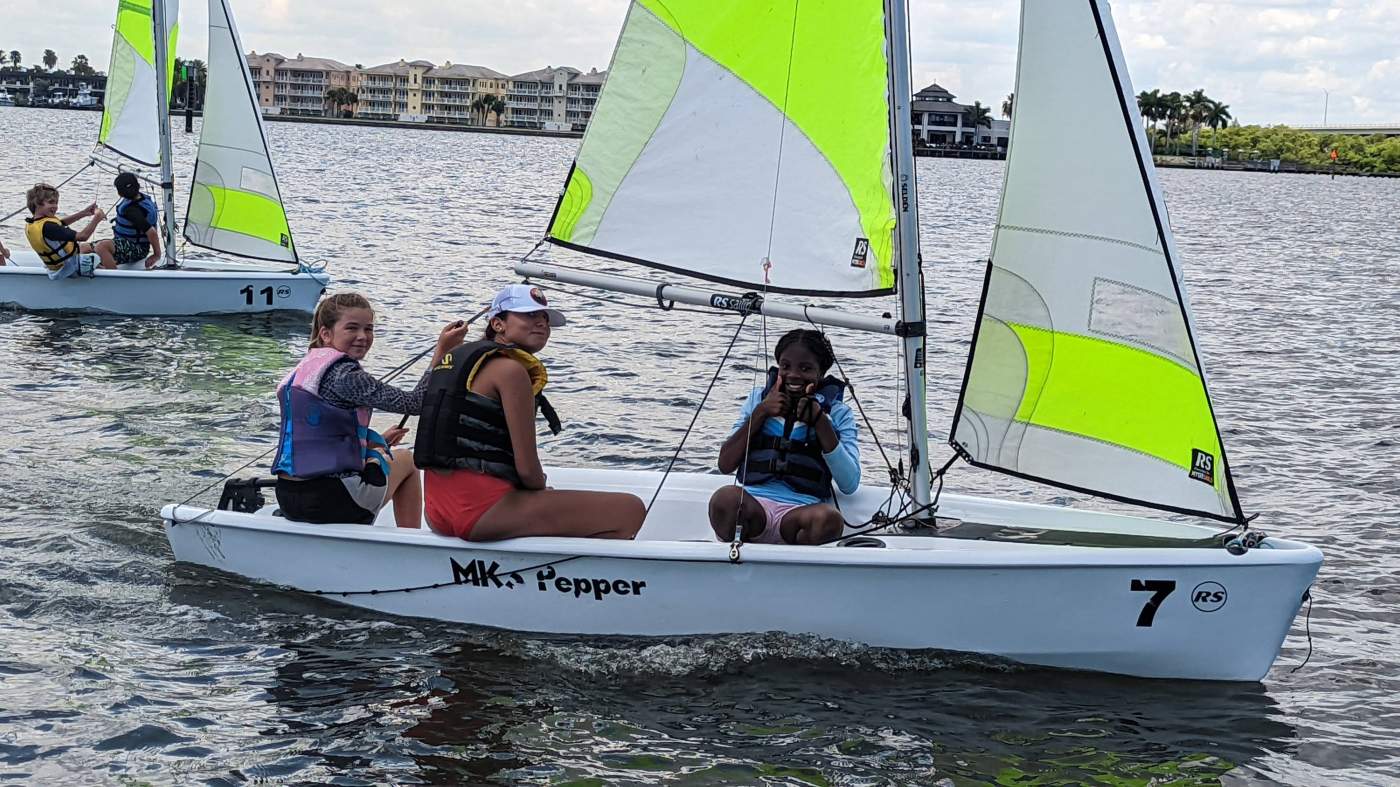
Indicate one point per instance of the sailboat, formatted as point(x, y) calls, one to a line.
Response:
point(766, 145)
point(235, 205)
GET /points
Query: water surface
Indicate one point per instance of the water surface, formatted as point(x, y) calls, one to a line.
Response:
point(119, 666)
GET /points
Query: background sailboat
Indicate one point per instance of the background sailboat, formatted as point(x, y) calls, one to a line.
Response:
point(235, 204)
point(785, 202)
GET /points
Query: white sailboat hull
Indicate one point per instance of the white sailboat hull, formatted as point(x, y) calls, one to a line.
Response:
point(210, 288)
point(1224, 618)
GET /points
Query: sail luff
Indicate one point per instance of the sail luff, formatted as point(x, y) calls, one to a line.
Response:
point(1084, 372)
point(907, 258)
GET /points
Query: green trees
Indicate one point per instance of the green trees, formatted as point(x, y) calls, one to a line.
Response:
point(488, 104)
point(1362, 154)
point(340, 98)
point(14, 58)
point(81, 67)
point(1008, 104)
point(197, 71)
point(50, 59)
point(979, 115)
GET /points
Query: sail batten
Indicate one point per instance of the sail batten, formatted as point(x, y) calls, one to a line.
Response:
point(235, 203)
point(1084, 371)
point(129, 109)
point(744, 143)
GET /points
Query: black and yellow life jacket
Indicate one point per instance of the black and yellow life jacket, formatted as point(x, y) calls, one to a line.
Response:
point(461, 430)
point(53, 253)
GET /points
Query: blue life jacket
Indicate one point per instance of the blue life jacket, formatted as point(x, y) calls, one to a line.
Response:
point(122, 226)
point(798, 463)
point(318, 438)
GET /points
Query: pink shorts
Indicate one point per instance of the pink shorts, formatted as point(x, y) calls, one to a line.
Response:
point(774, 512)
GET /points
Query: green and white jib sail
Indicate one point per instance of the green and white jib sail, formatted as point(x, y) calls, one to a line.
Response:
point(1084, 371)
point(235, 204)
point(129, 110)
point(742, 141)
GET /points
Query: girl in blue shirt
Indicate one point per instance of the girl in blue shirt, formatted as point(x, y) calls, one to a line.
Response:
point(794, 441)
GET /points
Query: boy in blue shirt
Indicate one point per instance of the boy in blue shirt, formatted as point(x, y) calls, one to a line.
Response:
point(794, 440)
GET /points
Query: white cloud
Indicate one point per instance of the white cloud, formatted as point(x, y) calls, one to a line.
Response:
point(1268, 59)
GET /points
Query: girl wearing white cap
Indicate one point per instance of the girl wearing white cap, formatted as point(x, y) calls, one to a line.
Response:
point(476, 438)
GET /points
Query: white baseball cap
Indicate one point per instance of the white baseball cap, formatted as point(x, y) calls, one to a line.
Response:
point(524, 299)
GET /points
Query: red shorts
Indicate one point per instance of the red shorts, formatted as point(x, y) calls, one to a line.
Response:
point(454, 500)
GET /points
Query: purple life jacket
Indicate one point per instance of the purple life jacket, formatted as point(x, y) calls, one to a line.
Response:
point(318, 438)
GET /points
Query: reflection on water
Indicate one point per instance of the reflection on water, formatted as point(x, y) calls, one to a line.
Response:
point(119, 665)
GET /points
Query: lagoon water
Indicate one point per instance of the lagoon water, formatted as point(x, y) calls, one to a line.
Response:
point(119, 666)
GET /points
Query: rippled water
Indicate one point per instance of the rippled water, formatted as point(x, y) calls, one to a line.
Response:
point(118, 666)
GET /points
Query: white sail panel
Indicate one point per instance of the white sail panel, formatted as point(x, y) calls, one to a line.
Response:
point(235, 204)
point(1084, 371)
point(129, 109)
point(743, 141)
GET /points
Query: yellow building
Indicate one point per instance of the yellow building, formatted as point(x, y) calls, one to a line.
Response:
point(297, 86)
point(451, 92)
point(393, 91)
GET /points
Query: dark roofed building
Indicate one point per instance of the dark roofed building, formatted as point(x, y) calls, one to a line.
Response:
point(938, 119)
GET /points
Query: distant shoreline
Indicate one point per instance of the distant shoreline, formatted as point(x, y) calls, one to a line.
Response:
point(177, 117)
point(517, 132)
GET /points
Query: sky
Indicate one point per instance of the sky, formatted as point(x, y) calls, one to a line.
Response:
point(1271, 61)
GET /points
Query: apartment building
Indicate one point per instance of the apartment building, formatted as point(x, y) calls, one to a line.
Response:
point(393, 91)
point(554, 99)
point(583, 98)
point(940, 120)
point(451, 92)
point(297, 86)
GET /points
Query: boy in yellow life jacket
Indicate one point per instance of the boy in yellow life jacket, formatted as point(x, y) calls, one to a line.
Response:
point(63, 251)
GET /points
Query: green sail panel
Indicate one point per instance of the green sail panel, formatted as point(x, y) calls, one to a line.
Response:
point(129, 109)
point(742, 141)
point(1084, 371)
point(235, 203)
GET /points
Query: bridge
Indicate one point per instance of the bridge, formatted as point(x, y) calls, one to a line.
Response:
point(1362, 130)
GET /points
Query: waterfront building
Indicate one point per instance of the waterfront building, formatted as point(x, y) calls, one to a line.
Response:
point(583, 98)
point(451, 90)
point(393, 91)
point(940, 120)
point(297, 86)
point(64, 89)
point(553, 99)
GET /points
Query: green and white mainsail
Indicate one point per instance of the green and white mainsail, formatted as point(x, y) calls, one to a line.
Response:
point(235, 204)
point(129, 111)
point(1084, 371)
point(745, 142)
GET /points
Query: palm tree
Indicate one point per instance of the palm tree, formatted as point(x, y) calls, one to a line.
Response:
point(479, 107)
point(4, 58)
point(340, 98)
point(81, 66)
point(50, 59)
point(1008, 104)
point(497, 106)
point(1173, 110)
point(14, 58)
point(1217, 117)
point(1196, 106)
point(1150, 107)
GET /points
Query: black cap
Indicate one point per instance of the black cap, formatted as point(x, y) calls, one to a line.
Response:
point(127, 185)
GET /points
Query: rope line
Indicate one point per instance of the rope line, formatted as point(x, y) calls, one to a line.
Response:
point(715, 378)
point(65, 182)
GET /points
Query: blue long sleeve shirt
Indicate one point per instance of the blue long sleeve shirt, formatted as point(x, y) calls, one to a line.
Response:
point(843, 461)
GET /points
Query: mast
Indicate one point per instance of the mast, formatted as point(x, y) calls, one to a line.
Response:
point(167, 177)
point(907, 259)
